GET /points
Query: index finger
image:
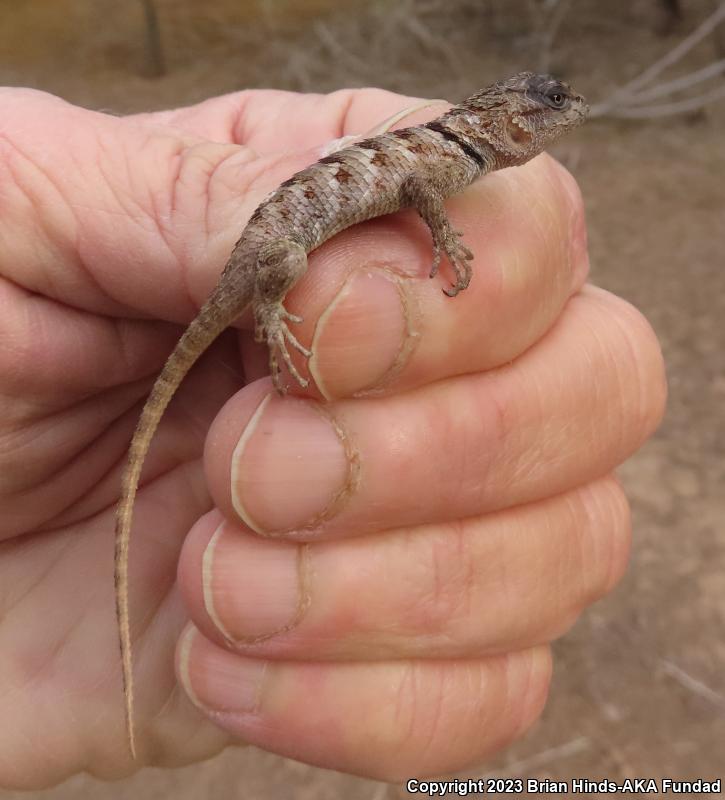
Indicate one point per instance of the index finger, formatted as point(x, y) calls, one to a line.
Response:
point(272, 121)
point(375, 322)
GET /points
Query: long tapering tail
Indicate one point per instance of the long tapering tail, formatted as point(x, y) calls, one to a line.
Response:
point(220, 310)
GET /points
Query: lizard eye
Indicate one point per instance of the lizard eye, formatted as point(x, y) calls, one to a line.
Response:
point(556, 99)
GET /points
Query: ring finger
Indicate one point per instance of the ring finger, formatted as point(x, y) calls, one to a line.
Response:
point(491, 584)
point(456, 448)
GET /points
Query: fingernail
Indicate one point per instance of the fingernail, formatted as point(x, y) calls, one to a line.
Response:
point(367, 327)
point(216, 680)
point(252, 589)
point(292, 467)
point(404, 114)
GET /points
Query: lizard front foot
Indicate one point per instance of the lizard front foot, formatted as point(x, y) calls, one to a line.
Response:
point(421, 192)
point(459, 256)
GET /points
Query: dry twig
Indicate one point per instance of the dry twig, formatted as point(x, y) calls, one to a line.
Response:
point(630, 100)
point(694, 685)
point(541, 759)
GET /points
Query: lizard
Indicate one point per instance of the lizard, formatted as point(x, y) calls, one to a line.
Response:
point(503, 125)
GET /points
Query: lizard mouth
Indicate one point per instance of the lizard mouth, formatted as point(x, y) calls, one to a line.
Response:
point(517, 133)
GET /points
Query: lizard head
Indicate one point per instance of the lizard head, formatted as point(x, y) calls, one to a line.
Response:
point(524, 113)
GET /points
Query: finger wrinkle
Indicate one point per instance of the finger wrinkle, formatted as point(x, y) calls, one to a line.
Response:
point(83, 424)
point(235, 122)
point(348, 99)
point(531, 697)
point(117, 176)
point(430, 732)
point(198, 164)
point(183, 164)
point(506, 417)
point(404, 718)
point(608, 526)
point(193, 175)
point(635, 362)
point(597, 547)
point(264, 175)
point(165, 204)
point(445, 581)
point(246, 122)
point(23, 173)
point(238, 117)
point(481, 442)
point(648, 366)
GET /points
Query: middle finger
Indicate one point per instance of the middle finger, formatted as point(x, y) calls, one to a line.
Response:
point(568, 411)
point(491, 584)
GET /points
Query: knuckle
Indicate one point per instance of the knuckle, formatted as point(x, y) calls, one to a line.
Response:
point(18, 339)
point(615, 536)
point(637, 356)
point(444, 581)
point(449, 715)
point(605, 543)
point(594, 543)
point(403, 734)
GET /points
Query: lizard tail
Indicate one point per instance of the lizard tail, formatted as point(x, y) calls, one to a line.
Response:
point(216, 314)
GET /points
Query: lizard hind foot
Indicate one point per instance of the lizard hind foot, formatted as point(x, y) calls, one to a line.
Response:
point(272, 328)
point(280, 265)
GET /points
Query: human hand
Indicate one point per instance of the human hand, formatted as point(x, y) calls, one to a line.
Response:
point(455, 525)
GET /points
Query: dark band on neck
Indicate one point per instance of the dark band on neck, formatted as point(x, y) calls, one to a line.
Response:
point(446, 133)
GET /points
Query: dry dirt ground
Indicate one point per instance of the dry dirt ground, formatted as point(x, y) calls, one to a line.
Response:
point(639, 687)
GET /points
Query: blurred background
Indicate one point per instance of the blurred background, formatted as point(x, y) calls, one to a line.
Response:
point(639, 686)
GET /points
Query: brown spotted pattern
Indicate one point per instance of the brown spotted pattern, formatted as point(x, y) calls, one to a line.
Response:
point(504, 125)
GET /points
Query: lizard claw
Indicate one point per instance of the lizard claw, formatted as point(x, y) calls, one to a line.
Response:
point(459, 255)
point(281, 346)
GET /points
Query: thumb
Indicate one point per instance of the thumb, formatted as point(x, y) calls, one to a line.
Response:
point(136, 215)
point(113, 215)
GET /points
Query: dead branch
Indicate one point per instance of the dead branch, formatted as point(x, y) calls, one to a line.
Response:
point(627, 101)
point(156, 64)
point(667, 109)
point(684, 82)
